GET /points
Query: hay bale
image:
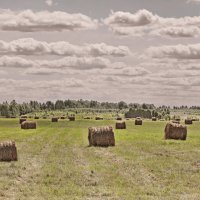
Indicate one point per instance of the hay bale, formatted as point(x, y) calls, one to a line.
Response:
point(138, 122)
point(188, 121)
point(175, 131)
point(36, 117)
point(86, 118)
point(8, 151)
point(101, 136)
point(22, 120)
point(98, 118)
point(28, 125)
point(54, 119)
point(120, 125)
point(154, 119)
point(119, 118)
point(71, 118)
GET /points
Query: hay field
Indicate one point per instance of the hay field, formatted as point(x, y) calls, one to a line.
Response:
point(55, 162)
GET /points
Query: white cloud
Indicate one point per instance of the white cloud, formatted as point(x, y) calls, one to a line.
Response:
point(78, 63)
point(180, 51)
point(193, 1)
point(30, 46)
point(49, 2)
point(29, 21)
point(144, 22)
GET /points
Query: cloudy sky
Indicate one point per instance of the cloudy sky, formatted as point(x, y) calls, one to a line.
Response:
point(109, 50)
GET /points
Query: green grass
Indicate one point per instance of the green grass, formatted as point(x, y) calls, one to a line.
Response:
point(55, 162)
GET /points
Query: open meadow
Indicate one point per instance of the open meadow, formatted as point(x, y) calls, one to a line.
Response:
point(55, 162)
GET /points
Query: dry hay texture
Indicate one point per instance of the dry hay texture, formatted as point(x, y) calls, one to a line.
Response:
point(101, 136)
point(22, 120)
point(138, 122)
point(28, 125)
point(54, 119)
point(175, 131)
point(98, 118)
point(8, 151)
point(120, 125)
point(71, 118)
point(188, 121)
point(154, 119)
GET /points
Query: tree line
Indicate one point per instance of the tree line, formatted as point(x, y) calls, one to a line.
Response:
point(13, 108)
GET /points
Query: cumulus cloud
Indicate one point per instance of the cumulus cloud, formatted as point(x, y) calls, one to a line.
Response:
point(49, 2)
point(30, 46)
point(29, 21)
point(180, 51)
point(77, 63)
point(144, 22)
point(193, 1)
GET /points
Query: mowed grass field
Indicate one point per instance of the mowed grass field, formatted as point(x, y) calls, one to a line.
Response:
point(55, 162)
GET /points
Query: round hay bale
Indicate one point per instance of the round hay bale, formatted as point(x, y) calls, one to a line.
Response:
point(8, 151)
point(86, 118)
point(98, 118)
point(175, 131)
point(138, 122)
point(22, 120)
point(54, 119)
point(154, 119)
point(120, 125)
point(71, 118)
point(28, 125)
point(118, 118)
point(101, 136)
point(188, 121)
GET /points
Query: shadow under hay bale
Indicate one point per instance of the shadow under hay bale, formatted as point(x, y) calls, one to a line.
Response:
point(54, 119)
point(154, 119)
point(44, 117)
point(8, 151)
point(62, 117)
point(120, 125)
point(138, 122)
point(22, 120)
point(71, 118)
point(188, 121)
point(98, 118)
point(36, 117)
point(101, 136)
point(28, 125)
point(175, 131)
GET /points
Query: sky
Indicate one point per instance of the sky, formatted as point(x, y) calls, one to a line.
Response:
point(142, 51)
